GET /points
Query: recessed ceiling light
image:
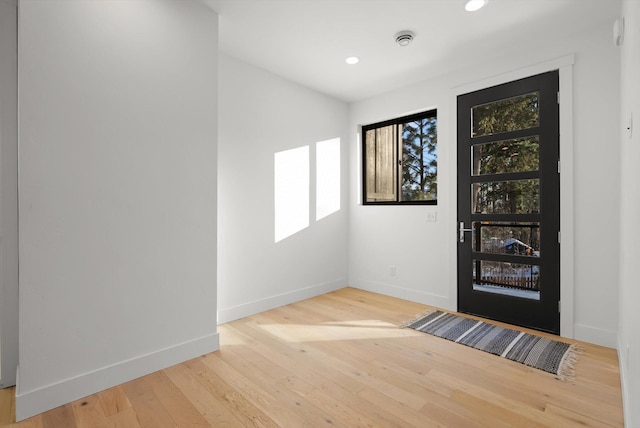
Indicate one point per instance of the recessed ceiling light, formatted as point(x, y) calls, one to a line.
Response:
point(352, 60)
point(473, 5)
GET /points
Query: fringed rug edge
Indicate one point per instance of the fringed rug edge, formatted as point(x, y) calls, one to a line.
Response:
point(417, 317)
point(566, 369)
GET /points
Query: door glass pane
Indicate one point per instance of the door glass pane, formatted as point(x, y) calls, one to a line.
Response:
point(511, 114)
point(522, 239)
point(506, 197)
point(513, 279)
point(506, 156)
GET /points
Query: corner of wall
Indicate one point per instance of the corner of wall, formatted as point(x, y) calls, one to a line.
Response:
point(624, 375)
point(628, 345)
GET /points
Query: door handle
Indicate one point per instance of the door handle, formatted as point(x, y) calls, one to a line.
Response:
point(462, 230)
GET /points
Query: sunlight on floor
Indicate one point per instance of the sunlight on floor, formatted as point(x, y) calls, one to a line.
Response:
point(346, 330)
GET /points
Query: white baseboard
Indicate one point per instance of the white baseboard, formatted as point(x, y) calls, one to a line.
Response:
point(404, 293)
point(251, 308)
point(30, 403)
point(595, 335)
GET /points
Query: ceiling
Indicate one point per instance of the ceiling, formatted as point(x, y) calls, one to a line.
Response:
point(307, 41)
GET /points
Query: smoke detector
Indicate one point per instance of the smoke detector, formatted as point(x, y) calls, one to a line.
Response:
point(403, 38)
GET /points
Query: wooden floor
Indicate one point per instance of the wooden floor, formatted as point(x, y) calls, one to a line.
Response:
point(340, 360)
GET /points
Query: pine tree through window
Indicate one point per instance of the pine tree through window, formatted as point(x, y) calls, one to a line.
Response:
point(400, 163)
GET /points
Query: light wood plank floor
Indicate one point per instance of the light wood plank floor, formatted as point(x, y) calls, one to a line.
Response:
point(340, 360)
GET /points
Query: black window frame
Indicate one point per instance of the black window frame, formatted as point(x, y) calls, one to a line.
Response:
point(397, 121)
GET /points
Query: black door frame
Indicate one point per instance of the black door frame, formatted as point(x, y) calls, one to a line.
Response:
point(513, 308)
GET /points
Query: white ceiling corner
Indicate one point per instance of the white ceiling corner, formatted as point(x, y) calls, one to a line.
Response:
point(307, 41)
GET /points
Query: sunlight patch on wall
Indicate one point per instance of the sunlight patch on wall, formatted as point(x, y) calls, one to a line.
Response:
point(327, 177)
point(291, 192)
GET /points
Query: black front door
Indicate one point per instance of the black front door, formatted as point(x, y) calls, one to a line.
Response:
point(509, 203)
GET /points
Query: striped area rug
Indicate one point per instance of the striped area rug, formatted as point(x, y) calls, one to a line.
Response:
point(535, 351)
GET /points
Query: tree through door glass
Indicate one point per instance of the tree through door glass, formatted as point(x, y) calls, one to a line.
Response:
point(505, 184)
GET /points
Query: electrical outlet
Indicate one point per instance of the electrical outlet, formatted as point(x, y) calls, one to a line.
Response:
point(432, 216)
point(392, 270)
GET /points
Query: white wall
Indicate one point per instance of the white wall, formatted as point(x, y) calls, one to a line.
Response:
point(424, 253)
point(8, 192)
point(118, 130)
point(260, 115)
point(629, 339)
point(597, 197)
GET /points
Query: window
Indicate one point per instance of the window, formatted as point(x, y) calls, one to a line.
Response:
point(400, 160)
